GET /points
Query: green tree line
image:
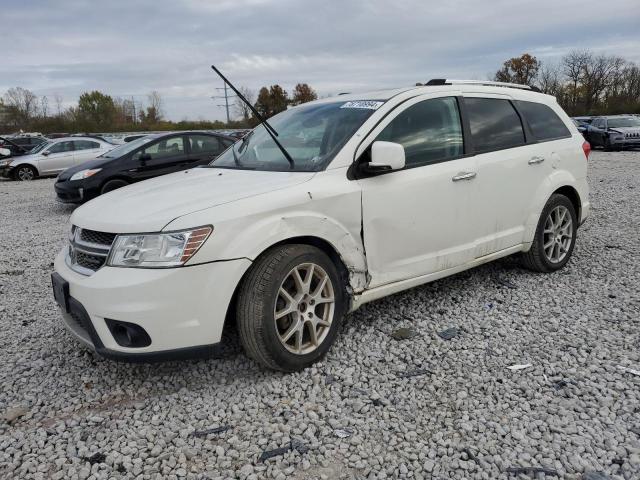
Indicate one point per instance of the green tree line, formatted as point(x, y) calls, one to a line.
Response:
point(95, 111)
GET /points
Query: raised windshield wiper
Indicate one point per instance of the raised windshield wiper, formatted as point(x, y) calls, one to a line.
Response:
point(263, 121)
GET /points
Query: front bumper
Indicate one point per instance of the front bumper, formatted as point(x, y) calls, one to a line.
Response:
point(66, 192)
point(6, 172)
point(182, 309)
point(627, 142)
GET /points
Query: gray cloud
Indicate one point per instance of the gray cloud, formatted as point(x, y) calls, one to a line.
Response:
point(131, 48)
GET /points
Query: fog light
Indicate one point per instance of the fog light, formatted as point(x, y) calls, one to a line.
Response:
point(128, 334)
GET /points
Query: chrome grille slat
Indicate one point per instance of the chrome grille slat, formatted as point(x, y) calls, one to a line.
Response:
point(88, 250)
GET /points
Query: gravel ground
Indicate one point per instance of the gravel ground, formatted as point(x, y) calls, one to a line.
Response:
point(377, 407)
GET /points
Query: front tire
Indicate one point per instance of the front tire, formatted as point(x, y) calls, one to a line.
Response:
point(113, 185)
point(290, 307)
point(25, 173)
point(555, 236)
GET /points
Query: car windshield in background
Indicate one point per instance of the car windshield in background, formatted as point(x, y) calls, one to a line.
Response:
point(312, 135)
point(624, 122)
point(125, 148)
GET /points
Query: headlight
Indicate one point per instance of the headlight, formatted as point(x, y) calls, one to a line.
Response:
point(6, 162)
point(157, 250)
point(84, 174)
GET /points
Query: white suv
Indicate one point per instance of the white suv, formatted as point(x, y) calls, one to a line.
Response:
point(382, 192)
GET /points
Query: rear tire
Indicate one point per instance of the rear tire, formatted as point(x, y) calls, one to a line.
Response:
point(555, 236)
point(113, 185)
point(25, 173)
point(290, 306)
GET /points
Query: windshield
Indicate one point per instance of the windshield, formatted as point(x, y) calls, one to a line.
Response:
point(41, 147)
point(311, 134)
point(125, 148)
point(624, 122)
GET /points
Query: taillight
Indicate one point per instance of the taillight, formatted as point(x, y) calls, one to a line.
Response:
point(586, 148)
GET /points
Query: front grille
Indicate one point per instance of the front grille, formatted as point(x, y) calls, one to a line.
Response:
point(102, 238)
point(88, 250)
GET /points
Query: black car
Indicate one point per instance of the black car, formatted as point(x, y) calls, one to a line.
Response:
point(147, 157)
point(28, 142)
point(15, 150)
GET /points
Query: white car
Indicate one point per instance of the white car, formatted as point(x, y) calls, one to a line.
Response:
point(385, 191)
point(53, 156)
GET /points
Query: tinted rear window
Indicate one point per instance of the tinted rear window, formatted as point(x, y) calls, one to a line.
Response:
point(543, 121)
point(495, 125)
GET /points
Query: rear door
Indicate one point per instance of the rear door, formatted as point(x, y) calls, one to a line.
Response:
point(166, 155)
point(85, 150)
point(203, 149)
point(56, 158)
point(511, 169)
point(418, 220)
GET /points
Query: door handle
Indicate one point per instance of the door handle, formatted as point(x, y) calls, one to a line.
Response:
point(464, 176)
point(536, 160)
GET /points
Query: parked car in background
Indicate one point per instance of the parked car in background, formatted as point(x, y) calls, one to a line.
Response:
point(584, 119)
point(582, 127)
point(131, 138)
point(11, 148)
point(614, 132)
point(52, 157)
point(404, 187)
point(28, 142)
point(141, 159)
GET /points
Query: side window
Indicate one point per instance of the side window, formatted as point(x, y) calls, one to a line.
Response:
point(61, 147)
point(164, 148)
point(429, 131)
point(206, 144)
point(544, 123)
point(495, 125)
point(85, 144)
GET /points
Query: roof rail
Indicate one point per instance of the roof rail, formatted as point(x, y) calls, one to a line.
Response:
point(488, 83)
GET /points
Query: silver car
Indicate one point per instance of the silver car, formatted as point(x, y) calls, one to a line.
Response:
point(52, 157)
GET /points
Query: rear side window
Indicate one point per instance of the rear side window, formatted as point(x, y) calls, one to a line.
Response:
point(204, 144)
point(495, 125)
point(543, 121)
point(429, 131)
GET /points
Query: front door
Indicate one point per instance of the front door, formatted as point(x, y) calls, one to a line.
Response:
point(167, 155)
point(56, 158)
point(419, 220)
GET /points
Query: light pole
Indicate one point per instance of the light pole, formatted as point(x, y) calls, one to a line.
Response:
point(226, 97)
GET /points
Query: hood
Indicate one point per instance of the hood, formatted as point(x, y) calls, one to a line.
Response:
point(626, 129)
point(95, 163)
point(150, 205)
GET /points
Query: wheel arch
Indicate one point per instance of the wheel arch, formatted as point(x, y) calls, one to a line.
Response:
point(318, 242)
point(35, 167)
point(572, 194)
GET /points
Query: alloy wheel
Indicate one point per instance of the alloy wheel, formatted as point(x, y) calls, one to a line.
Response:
point(557, 234)
point(304, 308)
point(25, 174)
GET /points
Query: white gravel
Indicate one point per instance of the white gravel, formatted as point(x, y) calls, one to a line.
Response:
point(458, 413)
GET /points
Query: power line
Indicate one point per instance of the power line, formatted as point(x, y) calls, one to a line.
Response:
point(226, 97)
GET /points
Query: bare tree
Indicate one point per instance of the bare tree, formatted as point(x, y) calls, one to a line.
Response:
point(573, 65)
point(240, 108)
point(22, 104)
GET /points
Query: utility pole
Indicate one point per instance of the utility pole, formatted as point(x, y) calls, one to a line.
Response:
point(226, 97)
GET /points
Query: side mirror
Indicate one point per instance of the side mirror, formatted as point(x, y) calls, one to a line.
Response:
point(45, 153)
point(385, 157)
point(144, 157)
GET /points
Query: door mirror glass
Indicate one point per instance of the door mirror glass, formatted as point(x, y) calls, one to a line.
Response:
point(385, 157)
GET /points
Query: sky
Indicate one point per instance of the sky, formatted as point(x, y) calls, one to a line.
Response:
point(129, 48)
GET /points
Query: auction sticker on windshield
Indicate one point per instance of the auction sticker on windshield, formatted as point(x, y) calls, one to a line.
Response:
point(368, 104)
